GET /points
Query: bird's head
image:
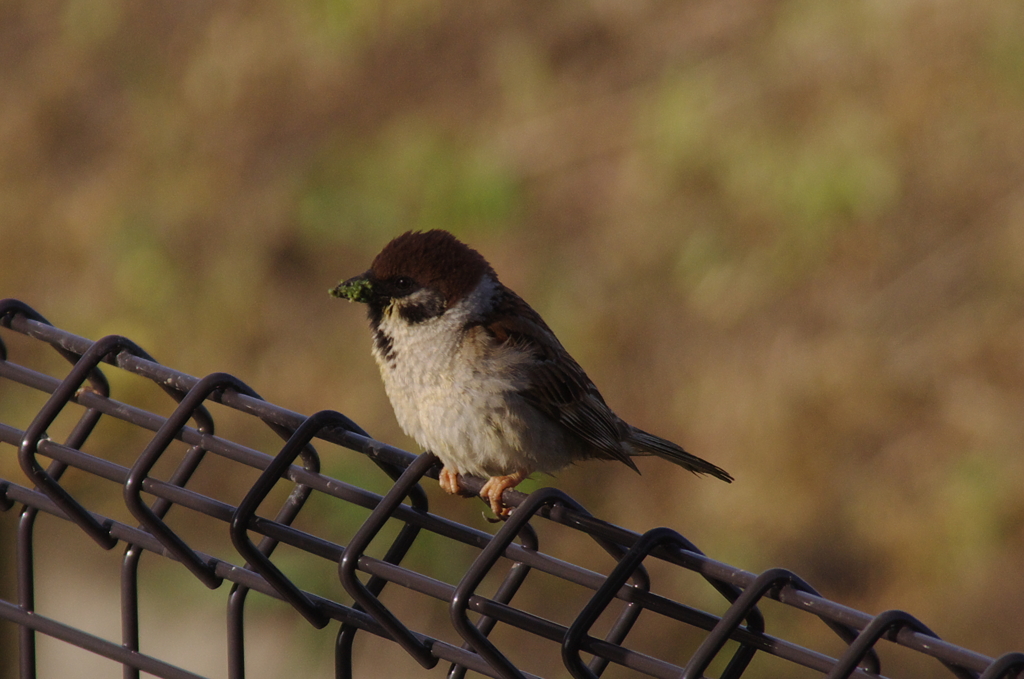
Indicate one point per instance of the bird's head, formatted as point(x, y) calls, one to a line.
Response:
point(419, 275)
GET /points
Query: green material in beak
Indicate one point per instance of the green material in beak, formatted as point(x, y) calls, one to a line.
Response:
point(356, 289)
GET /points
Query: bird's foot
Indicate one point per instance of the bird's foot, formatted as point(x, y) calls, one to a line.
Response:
point(449, 481)
point(495, 487)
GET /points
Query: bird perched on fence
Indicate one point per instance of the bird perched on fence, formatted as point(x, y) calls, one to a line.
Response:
point(476, 376)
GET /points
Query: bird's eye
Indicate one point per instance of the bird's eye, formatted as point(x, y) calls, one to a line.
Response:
point(404, 284)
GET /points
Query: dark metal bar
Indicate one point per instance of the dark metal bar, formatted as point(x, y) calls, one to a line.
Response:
point(252, 580)
point(629, 564)
point(881, 625)
point(133, 554)
point(239, 593)
point(258, 559)
point(26, 593)
point(1006, 666)
point(396, 552)
point(772, 579)
point(354, 554)
point(514, 579)
point(92, 643)
point(13, 311)
point(26, 525)
point(479, 569)
point(133, 484)
point(130, 605)
point(84, 369)
point(236, 631)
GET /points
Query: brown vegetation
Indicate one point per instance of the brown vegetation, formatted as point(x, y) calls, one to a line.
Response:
point(788, 235)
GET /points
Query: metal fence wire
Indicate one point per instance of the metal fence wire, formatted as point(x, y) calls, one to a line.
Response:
point(592, 639)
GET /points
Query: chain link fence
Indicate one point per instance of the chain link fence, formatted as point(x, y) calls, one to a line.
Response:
point(724, 624)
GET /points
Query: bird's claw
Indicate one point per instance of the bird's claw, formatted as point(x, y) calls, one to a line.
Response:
point(494, 490)
point(491, 492)
point(449, 482)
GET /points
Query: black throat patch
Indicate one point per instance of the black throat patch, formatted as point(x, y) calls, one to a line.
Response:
point(417, 312)
point(384, 344)
point(381, 340)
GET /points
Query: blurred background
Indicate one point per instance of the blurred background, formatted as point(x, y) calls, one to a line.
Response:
point(788, 235)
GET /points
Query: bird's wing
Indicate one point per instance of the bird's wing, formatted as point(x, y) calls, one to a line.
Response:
point(557, 385)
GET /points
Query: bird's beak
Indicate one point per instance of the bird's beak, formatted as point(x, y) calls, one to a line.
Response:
point(356, 289)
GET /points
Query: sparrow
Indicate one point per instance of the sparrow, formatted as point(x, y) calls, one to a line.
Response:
point(478, 378)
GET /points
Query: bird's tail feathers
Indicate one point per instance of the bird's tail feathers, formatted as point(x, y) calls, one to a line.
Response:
point(655, 445)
